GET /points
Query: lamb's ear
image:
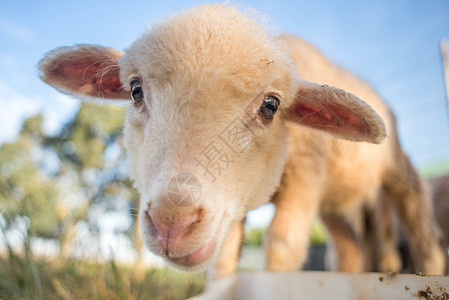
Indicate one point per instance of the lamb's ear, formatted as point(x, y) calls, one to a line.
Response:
point(85, 70)
point(337, 112)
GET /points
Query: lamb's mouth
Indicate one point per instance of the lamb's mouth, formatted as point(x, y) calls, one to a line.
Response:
point(203, 253)
point(198, 256)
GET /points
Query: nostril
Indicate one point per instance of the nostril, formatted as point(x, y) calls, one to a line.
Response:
point(159, 231)
point(150, 223)
point(192, 222)
point(170, 231)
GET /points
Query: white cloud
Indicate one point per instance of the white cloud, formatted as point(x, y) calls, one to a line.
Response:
point(260, 217)
point(17, 31)
point(59, 110)
point(16, 107)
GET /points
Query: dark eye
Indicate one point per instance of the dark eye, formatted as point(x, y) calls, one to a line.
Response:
point(269, 107)
point(136, 91)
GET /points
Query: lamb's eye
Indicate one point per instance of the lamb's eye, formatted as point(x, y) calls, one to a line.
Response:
point(269, 107)
point(136, 91)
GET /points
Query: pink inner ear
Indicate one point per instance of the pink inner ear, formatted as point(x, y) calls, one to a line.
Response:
point(346, 116)
point(330, 117)
point(97, 80)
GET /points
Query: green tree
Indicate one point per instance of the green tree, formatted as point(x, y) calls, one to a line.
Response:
point(57, 181)
point(25, 189)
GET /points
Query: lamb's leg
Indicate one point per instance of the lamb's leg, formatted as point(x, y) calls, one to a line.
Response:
point(226, 263)
point(410, 196)
point(346, 242)
point(287, 238)
point(387, 236)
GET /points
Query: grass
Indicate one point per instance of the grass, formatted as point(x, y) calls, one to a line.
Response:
point(435, 169)
point(254, 236)
point(24, 277)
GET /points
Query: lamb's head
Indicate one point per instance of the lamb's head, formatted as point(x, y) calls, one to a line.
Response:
point(205, 132)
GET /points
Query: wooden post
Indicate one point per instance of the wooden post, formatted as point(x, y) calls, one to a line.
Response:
point(445, 57)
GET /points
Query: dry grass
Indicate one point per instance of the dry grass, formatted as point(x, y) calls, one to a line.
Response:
point(23, 277)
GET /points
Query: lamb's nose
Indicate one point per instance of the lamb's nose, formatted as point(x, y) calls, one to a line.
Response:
point(169, 232)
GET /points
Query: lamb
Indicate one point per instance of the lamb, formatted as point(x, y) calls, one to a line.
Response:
point(439, 187)
point(221, 122)
point(387, 239)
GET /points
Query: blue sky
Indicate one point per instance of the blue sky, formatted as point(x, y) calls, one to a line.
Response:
point(394, 45)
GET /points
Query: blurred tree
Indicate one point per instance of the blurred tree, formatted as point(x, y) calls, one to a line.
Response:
point(57, 181)
point(25, 190)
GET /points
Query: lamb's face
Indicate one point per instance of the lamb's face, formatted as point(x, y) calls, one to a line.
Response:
point(206, 134)
point(205, 137)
